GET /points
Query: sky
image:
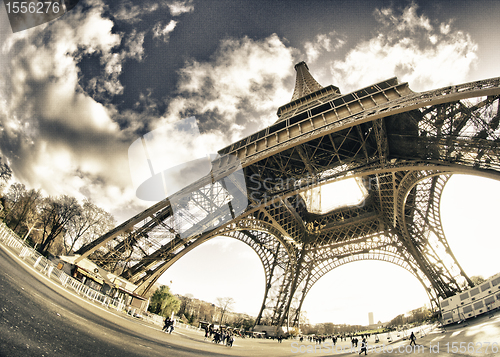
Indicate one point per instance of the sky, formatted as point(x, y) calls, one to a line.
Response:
point(75, 94)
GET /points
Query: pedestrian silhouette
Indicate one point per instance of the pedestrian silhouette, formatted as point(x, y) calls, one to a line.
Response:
point(363, 346)
point(413, 339)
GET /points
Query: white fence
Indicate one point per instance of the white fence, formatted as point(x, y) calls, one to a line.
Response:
point(153, 319)
point(40, 263)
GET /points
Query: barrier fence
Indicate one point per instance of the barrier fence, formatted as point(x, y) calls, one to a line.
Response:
point(43, 265)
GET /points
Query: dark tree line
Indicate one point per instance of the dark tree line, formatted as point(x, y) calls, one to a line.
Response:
point(55, 224)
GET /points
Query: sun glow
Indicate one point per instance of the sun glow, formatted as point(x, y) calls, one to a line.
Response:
point(325, 198)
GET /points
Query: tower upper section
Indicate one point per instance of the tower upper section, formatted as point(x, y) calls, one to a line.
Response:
point(307, 93)
point(304, 82)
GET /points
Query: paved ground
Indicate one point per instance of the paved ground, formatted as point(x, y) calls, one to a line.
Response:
point(472, 339)
point(40, 318)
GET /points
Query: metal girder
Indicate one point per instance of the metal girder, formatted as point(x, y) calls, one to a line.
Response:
point(403, 145)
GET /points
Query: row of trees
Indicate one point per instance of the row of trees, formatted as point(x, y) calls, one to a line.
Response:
point(413, 317)
point(58, 225)
point(192, 310)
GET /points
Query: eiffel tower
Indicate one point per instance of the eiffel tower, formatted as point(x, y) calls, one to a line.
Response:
point(400, 146)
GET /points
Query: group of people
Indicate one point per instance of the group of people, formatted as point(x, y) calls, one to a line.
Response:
point(168, 325)
point(354, 340)
point(219, 335)
point(321, 339)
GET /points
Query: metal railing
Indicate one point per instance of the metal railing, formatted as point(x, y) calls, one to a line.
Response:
point(44, 266)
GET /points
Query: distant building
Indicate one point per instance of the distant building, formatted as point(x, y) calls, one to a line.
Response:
point(370, 318)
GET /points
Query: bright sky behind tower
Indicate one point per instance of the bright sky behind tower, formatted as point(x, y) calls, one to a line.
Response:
point(77, 92)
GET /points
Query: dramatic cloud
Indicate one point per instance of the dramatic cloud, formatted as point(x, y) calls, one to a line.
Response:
point(107, 84)
point(238, 91)
point(62, 129)
point(410, 47)
point(57, 137)
point(407, 21)
point(60, 138)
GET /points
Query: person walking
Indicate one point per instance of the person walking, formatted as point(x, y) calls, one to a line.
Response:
point(413, 339)
point(363, 346)
point(166, 324)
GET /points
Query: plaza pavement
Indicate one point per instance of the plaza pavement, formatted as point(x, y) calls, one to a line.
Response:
point(468, 339)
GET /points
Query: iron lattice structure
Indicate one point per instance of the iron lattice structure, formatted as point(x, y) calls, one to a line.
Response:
point(402, 146)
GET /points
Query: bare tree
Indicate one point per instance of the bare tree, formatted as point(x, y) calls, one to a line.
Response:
point(225, 305)
point(241, 321)
point(91, 223)
point(5, 174)
point(186, 301)
point(24, 212)
point(329, 328)
point(13, 196)
point(55, 215)
point(477, 279)
point(31, 215)
point(28, 208)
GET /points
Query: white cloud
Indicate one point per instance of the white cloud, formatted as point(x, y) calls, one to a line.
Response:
point(131, 13)
point(134, 45)
point(163, 32)
point(445, 28)
point(178, 7)
point(323, 43)
point(408, 20)
point(407, 46)
point(50, 66)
